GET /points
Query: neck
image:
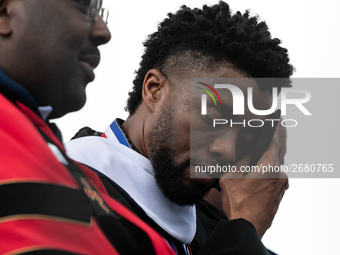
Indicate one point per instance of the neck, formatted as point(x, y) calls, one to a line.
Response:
point(134, 128)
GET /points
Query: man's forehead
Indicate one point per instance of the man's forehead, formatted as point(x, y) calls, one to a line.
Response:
point(225, 73)
point(221, 72)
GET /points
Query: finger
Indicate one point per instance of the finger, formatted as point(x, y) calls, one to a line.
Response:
point(287, 186)
point(285, 179)
point(239, 173)
point(274, 147)
point(235, 175)
point(282, 136)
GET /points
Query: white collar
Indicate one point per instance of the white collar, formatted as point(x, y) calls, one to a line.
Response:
point(129, 170)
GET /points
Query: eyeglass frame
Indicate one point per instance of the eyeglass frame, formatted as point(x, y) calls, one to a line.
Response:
point(103, 12)
point(97, 10)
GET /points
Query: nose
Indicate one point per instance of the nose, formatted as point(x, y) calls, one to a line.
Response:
point(223, 148)
point(100, 33)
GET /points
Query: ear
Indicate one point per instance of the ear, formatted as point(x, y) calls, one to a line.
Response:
point(154, 88)
point(5, 28)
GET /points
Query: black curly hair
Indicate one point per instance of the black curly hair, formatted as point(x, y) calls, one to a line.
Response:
point(212, 34)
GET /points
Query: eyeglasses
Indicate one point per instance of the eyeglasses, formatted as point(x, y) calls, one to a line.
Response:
point(96, 10)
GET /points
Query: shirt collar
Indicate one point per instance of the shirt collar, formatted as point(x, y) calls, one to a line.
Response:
point(122, 137)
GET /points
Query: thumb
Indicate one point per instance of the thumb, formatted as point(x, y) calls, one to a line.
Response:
point(237, 171)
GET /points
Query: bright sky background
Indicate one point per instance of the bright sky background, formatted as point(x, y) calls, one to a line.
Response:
point(308, 220)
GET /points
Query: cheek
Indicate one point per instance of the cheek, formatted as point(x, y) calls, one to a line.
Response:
point(180, 118)
point(183, 130)
point(180, 141)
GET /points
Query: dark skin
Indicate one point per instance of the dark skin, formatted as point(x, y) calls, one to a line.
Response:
point(215, 197)
point(53, 60)
point(250, 198)
point(255, 196)
point(153, 91)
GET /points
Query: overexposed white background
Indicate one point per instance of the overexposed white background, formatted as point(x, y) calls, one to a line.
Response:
point(308, 220)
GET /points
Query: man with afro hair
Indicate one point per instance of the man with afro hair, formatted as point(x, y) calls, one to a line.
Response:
point(145, 161)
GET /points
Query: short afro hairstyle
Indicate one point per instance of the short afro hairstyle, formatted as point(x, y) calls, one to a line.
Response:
point(214, 33)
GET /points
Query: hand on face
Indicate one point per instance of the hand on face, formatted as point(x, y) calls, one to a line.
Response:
point(256, 196)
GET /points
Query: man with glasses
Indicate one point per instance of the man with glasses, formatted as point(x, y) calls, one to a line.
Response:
point(49, 204)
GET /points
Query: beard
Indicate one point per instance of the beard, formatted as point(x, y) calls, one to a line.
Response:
point(169, 176)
